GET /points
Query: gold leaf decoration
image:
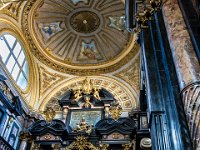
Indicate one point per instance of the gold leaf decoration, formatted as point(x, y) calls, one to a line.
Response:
point(131, 74)
point(47, 80)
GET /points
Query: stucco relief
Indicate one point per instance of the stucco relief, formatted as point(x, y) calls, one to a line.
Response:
point(131, 74)
point(125, 96)
point(187, 65)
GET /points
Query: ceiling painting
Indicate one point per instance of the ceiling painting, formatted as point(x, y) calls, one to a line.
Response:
point(78, 36)
point(49, 29)
point(74, 39)
point(118, 23)
point(78, 1)
point(89, 52)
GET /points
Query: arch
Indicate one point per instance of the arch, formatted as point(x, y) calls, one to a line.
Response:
point(126, 96)
point(13, 56)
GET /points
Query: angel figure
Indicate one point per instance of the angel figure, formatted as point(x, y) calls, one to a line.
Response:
point(87, 102)
point(96, 94)
point(77, 95)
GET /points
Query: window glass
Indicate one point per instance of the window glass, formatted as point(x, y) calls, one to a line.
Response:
point(21, 58)
point(10, 39)
point(25, 69)
point(13, 56)
point(15, 72)
point(17, 50)
point(4, 51)
point(10, 64)
point(22, 81)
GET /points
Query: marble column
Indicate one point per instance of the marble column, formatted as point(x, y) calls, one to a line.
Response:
point(186, 64)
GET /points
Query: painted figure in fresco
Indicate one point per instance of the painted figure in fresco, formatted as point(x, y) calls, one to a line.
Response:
point(50, 29)
point(117, 23)
point(89, 51)
point(78, 1)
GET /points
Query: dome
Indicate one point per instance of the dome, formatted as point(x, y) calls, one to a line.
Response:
point(79, 36)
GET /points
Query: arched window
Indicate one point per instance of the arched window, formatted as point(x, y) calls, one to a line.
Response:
point(13, 56)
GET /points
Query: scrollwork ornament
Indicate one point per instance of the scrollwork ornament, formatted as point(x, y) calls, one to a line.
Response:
point(81, 143)
point(104, 147)
point(126, 146)
point(147, 15)
point(49, 114)
point(25, 135)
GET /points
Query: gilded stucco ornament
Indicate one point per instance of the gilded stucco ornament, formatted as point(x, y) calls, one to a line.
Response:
point(13, 9)
point(131, 74)
point(96, 62)
point(86, 89)
point(104, 146)
point(126, 146)
point(49, 114)
point(83, 126)
point(6, 90)
point(125, 95)
point(81, 143)
point(48, 79)
point(145, 15)
point(115, 110)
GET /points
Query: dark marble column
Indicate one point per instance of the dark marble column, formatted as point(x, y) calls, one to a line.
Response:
point(167, 120)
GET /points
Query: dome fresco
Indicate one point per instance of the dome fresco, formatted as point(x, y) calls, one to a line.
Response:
point(79, 33)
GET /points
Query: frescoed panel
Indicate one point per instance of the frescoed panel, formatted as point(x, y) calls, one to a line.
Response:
point(49, 29)
point(89, 52)
point(78, 1)
point(117, 23)
point(91, 117)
